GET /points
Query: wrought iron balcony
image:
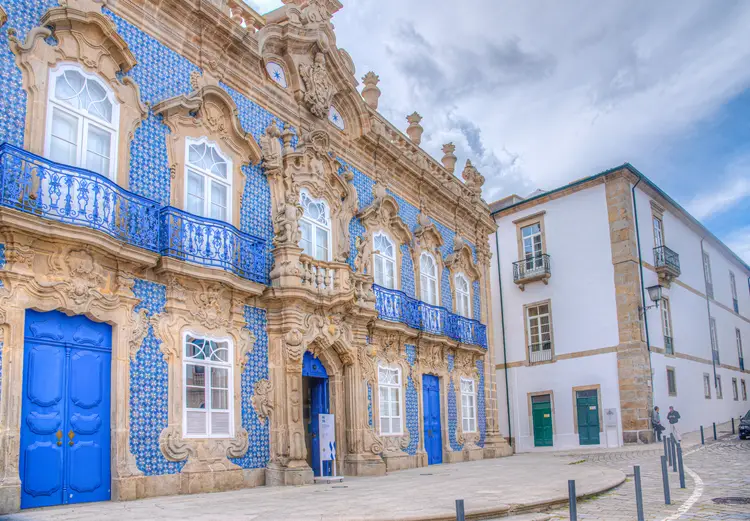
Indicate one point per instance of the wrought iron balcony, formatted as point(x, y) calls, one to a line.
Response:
point(37, 186)
point(531, 269)
point(668, 345)
point(396, 306)
point(667, 264)
point(540, 352)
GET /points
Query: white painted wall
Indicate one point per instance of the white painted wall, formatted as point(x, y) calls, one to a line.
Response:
point(584, 314)
point(690, 312)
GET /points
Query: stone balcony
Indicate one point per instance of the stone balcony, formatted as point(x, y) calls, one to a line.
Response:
point(74, 196)
point(667, 264)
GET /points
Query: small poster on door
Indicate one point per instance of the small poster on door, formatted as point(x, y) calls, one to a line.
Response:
point(327, 437)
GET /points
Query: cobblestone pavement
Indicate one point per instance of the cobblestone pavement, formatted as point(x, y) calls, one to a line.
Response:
point(719, 469)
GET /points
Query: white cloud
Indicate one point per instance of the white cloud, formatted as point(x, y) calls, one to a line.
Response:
point(731, 192)
point(739, 242)
point(539, 94)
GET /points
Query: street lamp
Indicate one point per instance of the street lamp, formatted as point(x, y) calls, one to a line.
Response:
point(654, 293)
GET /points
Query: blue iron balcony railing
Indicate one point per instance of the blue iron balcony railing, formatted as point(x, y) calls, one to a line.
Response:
point(70, 195)
point(396, 306)
point(667, 259)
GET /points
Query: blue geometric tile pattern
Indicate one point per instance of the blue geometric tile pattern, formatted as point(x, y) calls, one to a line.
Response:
point(407, 272)
point(481, 412)
point(149, 396)
point(256, 368)
point(477, 304)
point(22, 16)
point(445, 290)
point(452, 408)
point(412, 403)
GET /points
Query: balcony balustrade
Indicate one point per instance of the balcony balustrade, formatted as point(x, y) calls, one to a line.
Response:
point(531, 269)
point(324, 277)
point(396, 306)
point(667, 264)
point(540, 352)
point(70, 195)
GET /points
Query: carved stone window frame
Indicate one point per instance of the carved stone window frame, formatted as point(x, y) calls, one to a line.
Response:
point(427, 239)
point(403, 374)
point(208, 113)
point(529, 220)
point(397, 257)
point(526, 307)
point(460, 404)
point(90, 40)
point(462, 261)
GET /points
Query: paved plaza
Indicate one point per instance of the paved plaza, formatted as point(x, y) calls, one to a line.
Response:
point(492, 489)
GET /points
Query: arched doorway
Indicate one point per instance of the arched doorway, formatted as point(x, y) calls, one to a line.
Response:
point(316, 392)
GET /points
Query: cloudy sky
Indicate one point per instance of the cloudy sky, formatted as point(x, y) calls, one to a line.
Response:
point(540, 93)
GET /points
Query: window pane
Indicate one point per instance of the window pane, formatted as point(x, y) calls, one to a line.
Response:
point(396, 425)
point(321, 244)
point(195, 375)
point(220, 399)
point(196, 194)
point(196, 398)
point(196, 423)
point(379, 278)
point(218, 201)
point(385, 426)
point(219, 378)
point(220, 423)
point(68, 86)
point(64, 139)
point(196, 348)
point(389, 274)
point(306, 241)
point(98, 150)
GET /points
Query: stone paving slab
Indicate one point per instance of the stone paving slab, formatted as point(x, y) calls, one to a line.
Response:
point(489, 488)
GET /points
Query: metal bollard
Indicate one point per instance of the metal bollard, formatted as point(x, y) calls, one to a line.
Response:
point(674, 455)
point(703, 440)
point(638, 493)
point(460, 515)
point(714, 431)
point(572, 500)
point(732, 425)
point(665, 480)
point(669, 450)
point(682, 468)
point(666, 451)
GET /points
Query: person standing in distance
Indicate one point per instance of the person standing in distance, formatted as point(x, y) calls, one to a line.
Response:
point(673, 417)
point(656, 422)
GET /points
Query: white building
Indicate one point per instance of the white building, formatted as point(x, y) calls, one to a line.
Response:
point(579, 361)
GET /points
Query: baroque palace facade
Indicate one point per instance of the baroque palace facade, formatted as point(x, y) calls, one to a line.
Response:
point(209, 237)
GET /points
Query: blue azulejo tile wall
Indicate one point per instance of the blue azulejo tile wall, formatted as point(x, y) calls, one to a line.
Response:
point(481, 412)
point(412, 402)
point(254, 370)
point(149, 390)
point(452, 408)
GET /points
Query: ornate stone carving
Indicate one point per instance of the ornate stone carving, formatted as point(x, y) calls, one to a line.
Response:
point(349, 208)
point(473, 179)
point(173, 446)
point(315, 12)
point(125, 282)
point(262, 399)
point(247, 343)
point(84, 277)
point(138, 332)
point(286, 222)
point(431, 358)
point(19, 254)
point(293, 349)
point(211, 307)
point(368, 364)
point(271, 148)
point(238, 446)
point(175, 290)
point(319, 88)
point(395, 444)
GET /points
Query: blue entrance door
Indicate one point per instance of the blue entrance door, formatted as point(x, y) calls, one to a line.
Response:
point(433, 440)
point(317, 379)
point(65, 432)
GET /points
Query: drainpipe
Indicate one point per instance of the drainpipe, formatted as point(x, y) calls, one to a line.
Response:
point(643, 290)
point(502, 327)
point(708, 310)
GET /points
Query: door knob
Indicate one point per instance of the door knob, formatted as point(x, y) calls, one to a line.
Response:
point(71, 434)
point(58, 435)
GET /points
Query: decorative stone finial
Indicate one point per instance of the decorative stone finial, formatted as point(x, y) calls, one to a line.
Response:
point(415, 129)
point(371, 92)
point(449, 159)
point(472, 178)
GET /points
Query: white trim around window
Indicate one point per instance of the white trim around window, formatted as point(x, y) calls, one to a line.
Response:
point(384, 263)
point(468, 405)
point(83, 119)
point(391, 403)
point(315, 226)
point(207, 386)
point(463, 295)
point(428, 278)
point(208, 180)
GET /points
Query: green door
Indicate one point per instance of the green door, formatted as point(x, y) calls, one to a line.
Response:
point(587, 404)
point(541, 414)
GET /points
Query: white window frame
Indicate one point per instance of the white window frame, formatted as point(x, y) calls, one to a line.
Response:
point(533, 242)
point(707, 386)
point(84, 117)
point(658, 224)
point(719, 391)
point(715, 355)
point(743, 389)
point(707, 274)
point(738, 336)
point(324, 225)
point(539, 333)
point(430, 296)
point(463, 298)
point(666, 320)
point(207, 364)
point(733, 284)
point(398, 388)
point(208, 178)
point(672, 392)
point(377, 255)
point(468, 405)
point(735, 390)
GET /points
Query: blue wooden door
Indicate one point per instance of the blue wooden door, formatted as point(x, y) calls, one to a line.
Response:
point(65, 431)
point(433, 439)
point(313, 369)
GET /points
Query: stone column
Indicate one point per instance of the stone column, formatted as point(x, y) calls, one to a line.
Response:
point(10, 409)
point(633, 363)
point(359, 460)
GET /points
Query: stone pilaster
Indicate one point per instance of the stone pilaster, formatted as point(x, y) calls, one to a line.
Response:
point(633, 367)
